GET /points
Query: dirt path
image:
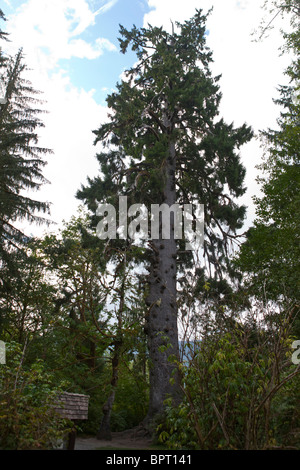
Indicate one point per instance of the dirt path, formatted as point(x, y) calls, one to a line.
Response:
point(120, 440)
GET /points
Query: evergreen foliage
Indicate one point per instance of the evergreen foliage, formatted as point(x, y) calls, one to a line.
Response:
point(21, 159)
point(164, 143)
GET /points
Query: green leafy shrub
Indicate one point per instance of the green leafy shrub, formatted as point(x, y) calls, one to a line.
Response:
point(131, 400)
point(28, 420)
point(239, 393)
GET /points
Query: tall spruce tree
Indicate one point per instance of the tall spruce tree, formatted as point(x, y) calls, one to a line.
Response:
point(21, 159)
point(164, 144)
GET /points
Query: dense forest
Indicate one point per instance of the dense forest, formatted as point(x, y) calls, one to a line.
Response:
point(198, 344)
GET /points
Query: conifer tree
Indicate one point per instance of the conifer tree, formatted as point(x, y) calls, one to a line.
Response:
point(165, 144)
point(21, 159)
point(3, 36)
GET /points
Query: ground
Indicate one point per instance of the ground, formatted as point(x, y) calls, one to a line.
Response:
point(120, 440)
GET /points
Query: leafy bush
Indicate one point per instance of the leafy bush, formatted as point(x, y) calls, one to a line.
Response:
point(28, 420)
point(131, 401)
point(239, 393)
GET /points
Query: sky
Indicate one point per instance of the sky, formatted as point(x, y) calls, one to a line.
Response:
point(72, 50)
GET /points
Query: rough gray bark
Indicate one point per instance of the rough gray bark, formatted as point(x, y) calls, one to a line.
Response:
point(161, 325)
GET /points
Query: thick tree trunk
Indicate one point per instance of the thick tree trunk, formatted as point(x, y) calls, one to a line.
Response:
point(161, 325)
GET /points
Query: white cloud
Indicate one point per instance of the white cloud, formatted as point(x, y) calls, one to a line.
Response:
point(53, 26)
point(73, 114)
point(250, 71)
point(49, 31)
point(68, 131)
